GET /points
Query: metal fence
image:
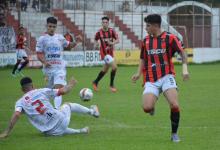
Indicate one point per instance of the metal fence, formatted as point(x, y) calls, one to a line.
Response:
point(197, 23)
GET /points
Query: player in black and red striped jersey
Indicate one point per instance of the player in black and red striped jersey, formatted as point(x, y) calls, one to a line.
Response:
point(21, 48)
point(158, 70)
point(107, 38)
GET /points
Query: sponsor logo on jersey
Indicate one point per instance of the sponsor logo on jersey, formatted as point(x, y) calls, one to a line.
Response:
point(156, 51)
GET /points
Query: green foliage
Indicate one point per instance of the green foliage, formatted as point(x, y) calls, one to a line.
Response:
point(122, 125)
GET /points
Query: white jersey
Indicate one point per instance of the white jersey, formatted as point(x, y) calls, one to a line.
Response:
point(52, 47)
point(40, 112)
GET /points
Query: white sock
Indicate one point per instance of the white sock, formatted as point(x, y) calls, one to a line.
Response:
point(80, 109)
point(57, 102)
point(71, 131)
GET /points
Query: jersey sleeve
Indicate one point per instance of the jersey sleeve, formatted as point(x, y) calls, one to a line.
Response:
point(18, 106)
point(97, 36)
point(39, 45)
point(176, 45)
point(51, 93)
point(142, 49)
point(114, 34)
point(65, 43)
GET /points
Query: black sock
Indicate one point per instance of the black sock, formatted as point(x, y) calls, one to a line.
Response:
point(174, 117)
point(112, 77)
point(15, 67)
point(99, 77)
point(23, 65)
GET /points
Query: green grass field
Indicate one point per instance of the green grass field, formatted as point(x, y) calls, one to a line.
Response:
point(122, 124)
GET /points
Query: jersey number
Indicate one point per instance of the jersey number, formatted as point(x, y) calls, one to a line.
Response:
point(40, 106)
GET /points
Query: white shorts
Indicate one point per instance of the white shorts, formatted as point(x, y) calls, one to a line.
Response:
point(21, 53)
point(61, 127)
point(160, 85)
point(56, 77)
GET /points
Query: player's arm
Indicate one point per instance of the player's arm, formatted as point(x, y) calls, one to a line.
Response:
point(78, 40)
point(12, 123)
point(137, 75)
point(72, 82)
point(41, 58)
point(177, 46)
point(185, 71)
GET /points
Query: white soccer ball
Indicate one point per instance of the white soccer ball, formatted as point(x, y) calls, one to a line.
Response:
point(108, 59)
point(85, 94)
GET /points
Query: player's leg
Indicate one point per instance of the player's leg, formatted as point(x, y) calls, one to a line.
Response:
point(67, 109)
point(77, 108)
point(15, 67)
point(84, 130)
point(26, 61)
point(171, 94)
point(150, 96)
point(100, 76)
point(58, 99)
point(112, 77)
point(59, 82)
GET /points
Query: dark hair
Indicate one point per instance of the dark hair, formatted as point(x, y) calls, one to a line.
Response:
point(153, 19)
point(51, 20)
point(105, 18)
point(24, 81)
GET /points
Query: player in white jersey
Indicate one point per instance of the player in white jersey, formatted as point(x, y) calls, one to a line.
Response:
point(35, 103)
point(49, 51)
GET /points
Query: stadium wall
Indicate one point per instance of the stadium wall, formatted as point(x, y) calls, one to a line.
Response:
point(92, 58)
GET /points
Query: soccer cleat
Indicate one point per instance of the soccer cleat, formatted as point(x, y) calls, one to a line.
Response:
point(13, 75)
point(175, 138)
point(95, 86)
point(20, 73)
point(85, 130)
point(113, 89)
point(95, 111)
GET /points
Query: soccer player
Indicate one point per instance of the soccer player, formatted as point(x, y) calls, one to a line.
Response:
point(107, 38)
point(35, 103)
point(158, 70)
point(21, 48)
point(49, 51)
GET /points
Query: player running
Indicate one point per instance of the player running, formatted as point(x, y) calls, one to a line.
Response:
point(35, 103)
point(21, 47)
point(49, 51)
point(107, 38)
point(158, 70)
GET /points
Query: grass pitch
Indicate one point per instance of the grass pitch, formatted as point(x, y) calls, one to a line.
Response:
point(122, 124)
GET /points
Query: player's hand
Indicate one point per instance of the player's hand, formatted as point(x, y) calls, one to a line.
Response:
point(46, 64)
point(135, 77)
point(185, 77)
point(3, 135)
point(78, 39)
point(72, 82)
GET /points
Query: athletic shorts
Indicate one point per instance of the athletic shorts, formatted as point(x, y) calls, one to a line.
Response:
point(21, 53)
point(161, 85)
point(56, 77)
point(61, 127)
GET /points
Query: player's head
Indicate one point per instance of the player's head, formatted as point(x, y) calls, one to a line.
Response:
point(26, 84)
point(153, 23)
point(105, 22)
point(51, 25)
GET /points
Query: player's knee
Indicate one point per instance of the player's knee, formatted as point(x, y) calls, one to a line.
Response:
point(147, 109)
point(175, 108)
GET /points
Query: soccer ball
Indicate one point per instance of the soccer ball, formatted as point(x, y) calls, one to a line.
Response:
point(85, 94)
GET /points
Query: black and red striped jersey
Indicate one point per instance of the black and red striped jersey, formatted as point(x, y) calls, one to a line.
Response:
point(21, 41)
point(104, 37)
point(157, 55)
